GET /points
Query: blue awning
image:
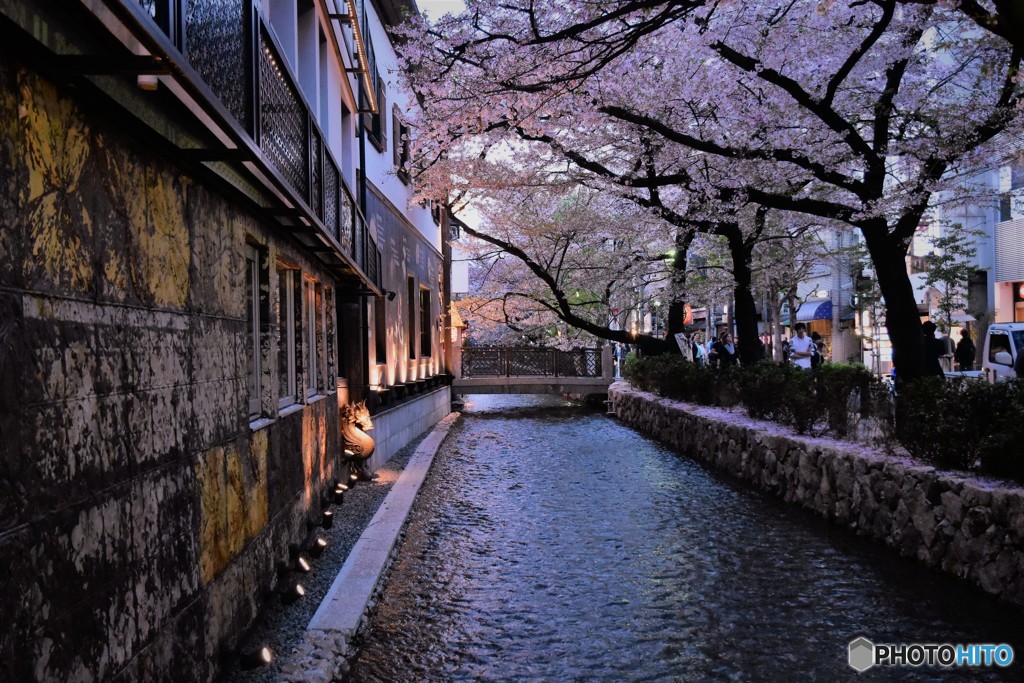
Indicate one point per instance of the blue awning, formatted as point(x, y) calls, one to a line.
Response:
point(815, 310)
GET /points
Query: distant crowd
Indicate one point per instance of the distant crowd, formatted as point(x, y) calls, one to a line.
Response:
point(721, 352)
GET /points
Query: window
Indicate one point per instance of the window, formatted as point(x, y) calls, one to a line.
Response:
point(400, 146)
point(377, 128)
point(380, 329)
point(1017, 177)
point(1005, 207)
point(998, 341)
point(286, 326)
point(411, 303)
point(255, 293)
point(426, 328)
point(313, 331)
point(327, 308)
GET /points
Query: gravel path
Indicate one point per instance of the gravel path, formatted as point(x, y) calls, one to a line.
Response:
point(281, 627)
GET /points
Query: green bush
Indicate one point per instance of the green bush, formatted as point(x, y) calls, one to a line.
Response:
point(964, 425)
point(997, 410)
point(931, 425)
point(765, 386)
point(961, 425)
point(838, 386)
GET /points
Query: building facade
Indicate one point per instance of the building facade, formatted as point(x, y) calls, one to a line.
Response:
point(190, 265)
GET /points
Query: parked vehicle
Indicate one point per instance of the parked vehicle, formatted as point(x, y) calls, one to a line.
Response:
point(1003, 343)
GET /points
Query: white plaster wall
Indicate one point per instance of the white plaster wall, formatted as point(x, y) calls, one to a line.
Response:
point(380, 165)
point(396, 427)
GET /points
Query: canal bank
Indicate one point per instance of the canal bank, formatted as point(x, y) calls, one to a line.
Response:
point(968, 527)
point(550, 543)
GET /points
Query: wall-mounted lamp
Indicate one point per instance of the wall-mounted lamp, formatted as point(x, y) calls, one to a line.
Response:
point(391, 295)
point(147, 82)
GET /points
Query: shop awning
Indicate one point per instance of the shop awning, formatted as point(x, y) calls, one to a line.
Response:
point(814, 310)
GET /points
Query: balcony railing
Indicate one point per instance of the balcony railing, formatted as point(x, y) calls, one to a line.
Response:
point(213, 36)
point(498, 361)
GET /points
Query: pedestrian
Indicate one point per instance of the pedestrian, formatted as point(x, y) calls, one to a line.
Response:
point(700, 354)
point(726, 351)
point(800, 348)
point(932, 349)
point(784, 345)
point(965, 352)
point(817, 350)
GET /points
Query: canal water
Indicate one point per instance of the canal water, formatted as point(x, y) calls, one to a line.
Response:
point(554, 544)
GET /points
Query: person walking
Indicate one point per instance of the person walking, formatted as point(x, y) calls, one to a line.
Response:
point(726, 351)
point(817, 350)
point(932, 348)
point(700, 354)
point(801, 347)
point(965, 352)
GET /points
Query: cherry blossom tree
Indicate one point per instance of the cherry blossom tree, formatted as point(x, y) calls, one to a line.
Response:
point(549, 255)
point(856, 111)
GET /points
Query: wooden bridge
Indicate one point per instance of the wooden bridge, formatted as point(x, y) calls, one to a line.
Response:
point(532, 370)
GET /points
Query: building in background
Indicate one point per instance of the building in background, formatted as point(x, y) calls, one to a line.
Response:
point(203, 233)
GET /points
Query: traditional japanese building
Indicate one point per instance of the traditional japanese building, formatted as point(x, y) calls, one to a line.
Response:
point(207, 246)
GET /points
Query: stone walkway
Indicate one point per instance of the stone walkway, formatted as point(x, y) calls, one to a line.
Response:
point(368, 515)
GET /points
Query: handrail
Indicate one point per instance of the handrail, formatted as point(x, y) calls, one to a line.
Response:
point(298, 158)
point(338, 210)
point(508, 361)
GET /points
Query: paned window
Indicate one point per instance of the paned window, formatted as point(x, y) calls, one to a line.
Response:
point(425, 322)
point(286, 336)
point(400, 146)
point(255, 289)
point(313, 320)
point(411, 319)
point(380, 329)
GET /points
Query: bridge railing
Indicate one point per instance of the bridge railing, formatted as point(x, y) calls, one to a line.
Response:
point(503, 361)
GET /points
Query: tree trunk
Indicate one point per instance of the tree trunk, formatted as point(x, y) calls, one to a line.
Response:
point(902, 319)
point(677, 307)
point(743, 296)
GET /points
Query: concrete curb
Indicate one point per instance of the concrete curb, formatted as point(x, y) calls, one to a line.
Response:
point(321, 657)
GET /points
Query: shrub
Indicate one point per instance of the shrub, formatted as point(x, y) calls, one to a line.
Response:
point(930, 424)
point(961, 425)
point(998, 412)
point(765, 386)
point(801, 403)
point(878, 406)
point(839, 389)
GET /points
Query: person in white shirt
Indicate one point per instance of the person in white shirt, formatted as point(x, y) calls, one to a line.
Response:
point(800, 351)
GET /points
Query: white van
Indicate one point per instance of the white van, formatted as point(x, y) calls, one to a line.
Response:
point(1003, 343)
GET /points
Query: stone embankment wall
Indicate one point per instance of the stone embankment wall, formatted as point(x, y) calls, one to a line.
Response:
point(969, 528)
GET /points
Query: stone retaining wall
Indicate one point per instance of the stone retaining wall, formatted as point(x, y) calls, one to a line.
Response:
point(972, 529)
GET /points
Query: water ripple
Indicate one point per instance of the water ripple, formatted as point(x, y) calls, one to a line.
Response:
point(550, 544)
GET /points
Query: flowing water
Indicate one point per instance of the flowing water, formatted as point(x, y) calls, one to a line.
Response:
point(554, 544)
